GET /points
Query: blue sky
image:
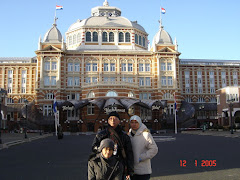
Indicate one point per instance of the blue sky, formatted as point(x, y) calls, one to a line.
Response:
point(205, 29)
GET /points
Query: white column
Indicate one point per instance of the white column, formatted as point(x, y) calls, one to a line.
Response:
point(59, 73)
point(229, 78)
point(41, 72)
point(3, 76)
point(175, 72)
point(100, 69)
point(118, 69)
point(116, 37)
point(30, 81)
point(82, 72)
point(99, 37)
point(16, 81)
point(135, 72)
point(193, 80)
point(218, 83)
point(158, 72)
point(207, 86)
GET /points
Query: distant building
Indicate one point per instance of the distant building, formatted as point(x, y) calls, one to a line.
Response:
point(106, 60)
point(228, 103)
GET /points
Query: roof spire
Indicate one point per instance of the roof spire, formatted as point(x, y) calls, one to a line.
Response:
point(105, 3)
point(39, 43)
point(160, 24)
point(176, 44)
point(55, 21)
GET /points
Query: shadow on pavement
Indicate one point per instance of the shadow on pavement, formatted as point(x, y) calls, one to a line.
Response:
point(193, 156)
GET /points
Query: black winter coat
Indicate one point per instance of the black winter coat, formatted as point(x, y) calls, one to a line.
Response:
point(100, 168)
point(125, 141)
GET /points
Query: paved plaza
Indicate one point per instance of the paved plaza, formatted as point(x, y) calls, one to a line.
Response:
point(47, 158)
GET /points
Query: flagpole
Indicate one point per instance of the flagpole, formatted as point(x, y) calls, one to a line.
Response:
point(55, 14)
point(160, 17)
point(175, 121)
point(175, 106)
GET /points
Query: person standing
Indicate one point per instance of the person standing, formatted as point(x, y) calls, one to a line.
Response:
point(105, 166)
point(122, 143)
point(144, 148)
point(60, 131)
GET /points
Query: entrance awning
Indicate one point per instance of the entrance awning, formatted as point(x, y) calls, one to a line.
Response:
point(79, 104)
point(112, 102)
point(76, 103)
point(151, 103)
point(98, 102)
point(127, 103)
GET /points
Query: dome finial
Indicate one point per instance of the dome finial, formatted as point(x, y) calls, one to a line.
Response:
point(105, 3)
point(55, 21)
point(160, 24)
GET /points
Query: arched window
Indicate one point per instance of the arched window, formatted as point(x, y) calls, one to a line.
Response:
point(120, 37)
point(91, 94)
point(127, 37)
point(88, 36)
point(130, 94)
point(74, 39)
point(95, 37)
point(22, 100)
point(167, 96)
point(10, 101)
point(140, 40)
point(49, 96)
point(78, 38)
point(136, 38)
point(70, 40)
point(144, 43)
point(111, 37)
point(111, 94)
point(104, 37)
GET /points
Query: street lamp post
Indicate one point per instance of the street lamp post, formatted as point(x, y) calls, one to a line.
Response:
point(201, 107)
point(230, 101)
point(25, 123)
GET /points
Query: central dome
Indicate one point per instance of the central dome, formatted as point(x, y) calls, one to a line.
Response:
point(110, 22)
point(106, 16)
point(106, 29)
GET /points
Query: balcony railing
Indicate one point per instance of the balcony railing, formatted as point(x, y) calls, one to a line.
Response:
point(107, 83)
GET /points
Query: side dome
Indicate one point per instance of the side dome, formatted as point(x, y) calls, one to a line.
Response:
point(162, 37)
point(53, 35)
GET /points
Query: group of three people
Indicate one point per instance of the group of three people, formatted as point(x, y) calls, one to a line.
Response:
point(118, 155)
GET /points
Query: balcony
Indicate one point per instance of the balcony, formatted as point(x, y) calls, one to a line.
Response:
point(109, 83)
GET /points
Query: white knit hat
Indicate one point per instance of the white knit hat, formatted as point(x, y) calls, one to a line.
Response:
point(137, 118)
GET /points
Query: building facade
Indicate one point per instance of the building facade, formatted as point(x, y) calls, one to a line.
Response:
point(228, 105)
point(106, 64)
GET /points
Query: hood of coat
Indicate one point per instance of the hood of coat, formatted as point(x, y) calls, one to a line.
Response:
point(142, 128)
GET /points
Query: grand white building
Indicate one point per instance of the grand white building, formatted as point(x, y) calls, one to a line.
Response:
point(104, 61)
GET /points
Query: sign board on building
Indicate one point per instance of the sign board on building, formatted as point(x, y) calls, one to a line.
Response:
point(156, 107)
point(65, 108)
point(108, 110)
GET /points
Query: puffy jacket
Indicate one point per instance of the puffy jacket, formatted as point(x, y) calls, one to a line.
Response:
point(144, 149)
point(100, 168)
point(126, 142)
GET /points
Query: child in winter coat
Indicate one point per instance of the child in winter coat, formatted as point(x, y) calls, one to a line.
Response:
point(105, 166)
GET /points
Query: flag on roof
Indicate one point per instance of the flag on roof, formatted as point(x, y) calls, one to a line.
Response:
point(163, 10)
point(59, 7)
